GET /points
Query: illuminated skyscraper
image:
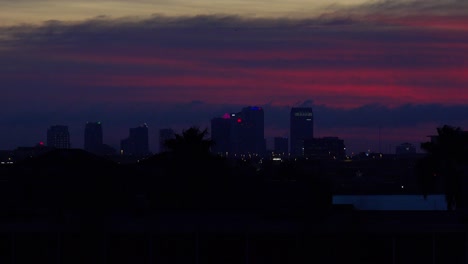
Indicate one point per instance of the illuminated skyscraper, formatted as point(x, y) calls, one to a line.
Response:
point(58, 137)
point(301, 128)
point(93, 137)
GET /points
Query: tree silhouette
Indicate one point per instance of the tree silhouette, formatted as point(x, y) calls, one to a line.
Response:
point(192, 142)
point(447, 154)
point(191, 174)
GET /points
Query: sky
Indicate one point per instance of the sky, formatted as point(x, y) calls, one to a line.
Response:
point(376, 73)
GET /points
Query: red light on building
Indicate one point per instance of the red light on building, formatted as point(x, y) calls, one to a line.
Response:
point(239, 120)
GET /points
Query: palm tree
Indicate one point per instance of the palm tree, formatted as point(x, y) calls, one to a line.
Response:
point(192, 142)
point(196, 178)
point(447, 154)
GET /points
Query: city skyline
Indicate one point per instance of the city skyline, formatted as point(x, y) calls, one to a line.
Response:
point(152, 137)
point(376, 73)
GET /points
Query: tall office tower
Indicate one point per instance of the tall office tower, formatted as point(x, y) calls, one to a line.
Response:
point(137, 143)
point(301, 128)
point(93, 137)
point(58, 137)
point(165, 134)
point(281, 146)
point(221, 135)
point(252, 130)
point(239, 133)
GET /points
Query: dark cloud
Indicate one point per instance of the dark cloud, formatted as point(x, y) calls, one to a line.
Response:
point(154, 35)
point(201, 30)
point(419, 7)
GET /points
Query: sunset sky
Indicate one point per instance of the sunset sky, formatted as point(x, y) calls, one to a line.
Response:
point(398, 67)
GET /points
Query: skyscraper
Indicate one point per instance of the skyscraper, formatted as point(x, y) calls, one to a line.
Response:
point(252, 130)
point(137, 143)
point(93, 137)
point(58, 137)
point(301, 128)
point(239, 133)
point(221, 131)
point(165, 134)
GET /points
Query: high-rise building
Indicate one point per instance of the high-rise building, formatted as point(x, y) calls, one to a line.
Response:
point(252, 130)
point(165, 134)
point(93, 137)
point(221, 131)
point(239, 133)
point(301, 128)
point(281, 146)
point(58, 137)
point(137, 143)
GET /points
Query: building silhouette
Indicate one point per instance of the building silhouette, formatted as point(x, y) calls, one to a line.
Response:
point(21, 153)
point(301, 128)
point(137, 143)
point(222, 134)
point(58, 137)
point(251, 122)
point(281, 146)
point(93, 138)
point(239, 133)
point(165, 134)
point(405, 149)
point(325, 148)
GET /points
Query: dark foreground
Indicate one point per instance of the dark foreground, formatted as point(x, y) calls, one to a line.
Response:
point(68, 206)
point(339, 236)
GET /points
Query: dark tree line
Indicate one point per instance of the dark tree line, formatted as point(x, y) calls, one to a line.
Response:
point(79, 185)
point(446, 163)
